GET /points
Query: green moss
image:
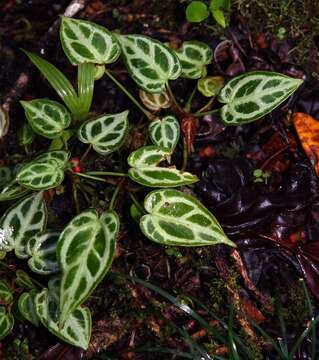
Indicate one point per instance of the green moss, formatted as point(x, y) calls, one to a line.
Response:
point(296, 19)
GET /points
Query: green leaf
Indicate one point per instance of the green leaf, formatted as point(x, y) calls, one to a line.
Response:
point(196, 12)
point(194, 56)
point(62, 141)
point(13, 191)
point(250, 96)
point(145, 170)
point(47, 118)
point(135, 213)
point(150, 63)
point(165, 133)
point(87, 42)
point(219, 17)
point(105, 133)
point(76, 329)
point(155, 102)
point(25, 135)
point(210, 85)
point(5, 175)
point(6, 297)
point(6, 322)
point(85, 251)
point(58, 81)
point(26, 305)
point(41, 175)
point(23, 280)
point(60, 156)
point(178, 219)
point(22, 221)
point(85, 88)
point(42, 249)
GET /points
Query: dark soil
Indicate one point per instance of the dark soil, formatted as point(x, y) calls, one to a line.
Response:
point(263, 218)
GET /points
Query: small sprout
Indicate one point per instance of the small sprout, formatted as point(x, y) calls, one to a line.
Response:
point(260, 176)
point(196, 12)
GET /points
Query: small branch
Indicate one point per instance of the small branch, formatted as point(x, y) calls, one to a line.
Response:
point(200, 114)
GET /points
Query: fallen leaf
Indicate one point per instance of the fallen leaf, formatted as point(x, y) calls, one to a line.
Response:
point(307, 129)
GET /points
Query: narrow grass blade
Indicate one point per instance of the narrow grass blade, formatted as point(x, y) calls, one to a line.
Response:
point(85, 88)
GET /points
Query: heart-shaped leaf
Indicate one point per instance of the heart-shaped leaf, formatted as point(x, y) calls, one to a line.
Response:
point(85, 251)
point(6, 296)
point(6, 322)
point(194, 56)
point(87, 42)
point(47, 118)
point(165, 133)
point(145, 170)
point(60, 156)
point(42, 249)
point(154, 101)
point(178, 219)
point(150, 63)
point(106, 133)
point(41, 175)
point(22, 221)
point(76, 329)
point(250, 96)
point(13, 191)
point(210, 85)
point(26, 307)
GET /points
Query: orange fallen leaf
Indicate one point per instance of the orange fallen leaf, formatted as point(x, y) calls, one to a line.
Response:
point(307, 129)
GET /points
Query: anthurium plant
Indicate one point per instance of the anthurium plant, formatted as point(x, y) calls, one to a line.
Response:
point(78, 257)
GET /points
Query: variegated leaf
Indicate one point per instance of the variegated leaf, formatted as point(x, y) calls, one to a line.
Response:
point(250, 96)
point(178, 219)
point(22, 221)
point(41, 175)
point(145, 170)
point(24, 281)
point(60, 156)
point(85, 251)
point(106, 133)
point(47, 118)
point(154, 101)
point(165, 133)
point(6, 296)
point(75, 330)
point(210, 85)
point(6, 322)
point(87, 42)
point(13, 191)
point(26, 307)
point(42, 249)
point(150, 63)
point(26, 135)
point(194, 56)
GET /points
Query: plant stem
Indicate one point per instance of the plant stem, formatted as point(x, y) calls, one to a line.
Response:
point(185, 155)
point(106, 173)
point(190, 100)
point(136, 203)
point(129, 95)
point(90, 177)
point(200, 114)
point(86, 153)
point(207, 106)
point(114, 196)
point(175, 103)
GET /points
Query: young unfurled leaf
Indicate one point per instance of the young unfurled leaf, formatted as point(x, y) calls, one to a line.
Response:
point(26, 307)
point(85, 251)
point(24, 219)
point(197, 11)
point(41, 175)
point(217, 7)
point(6, 296)
point(194, 56)
point(307, 129)
point(87, 42)
point(145, 170)
point(150, 63)
point(6, 322)
point(42, 249)
point(154, 101)
point(178, 219)
point(76, 329)
point(210, 85)
point(165, 133)
point(26, 135)
point(47, 118)
point(250, 96)
point(60, 156)
point(106, 133)
point(13, 191)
